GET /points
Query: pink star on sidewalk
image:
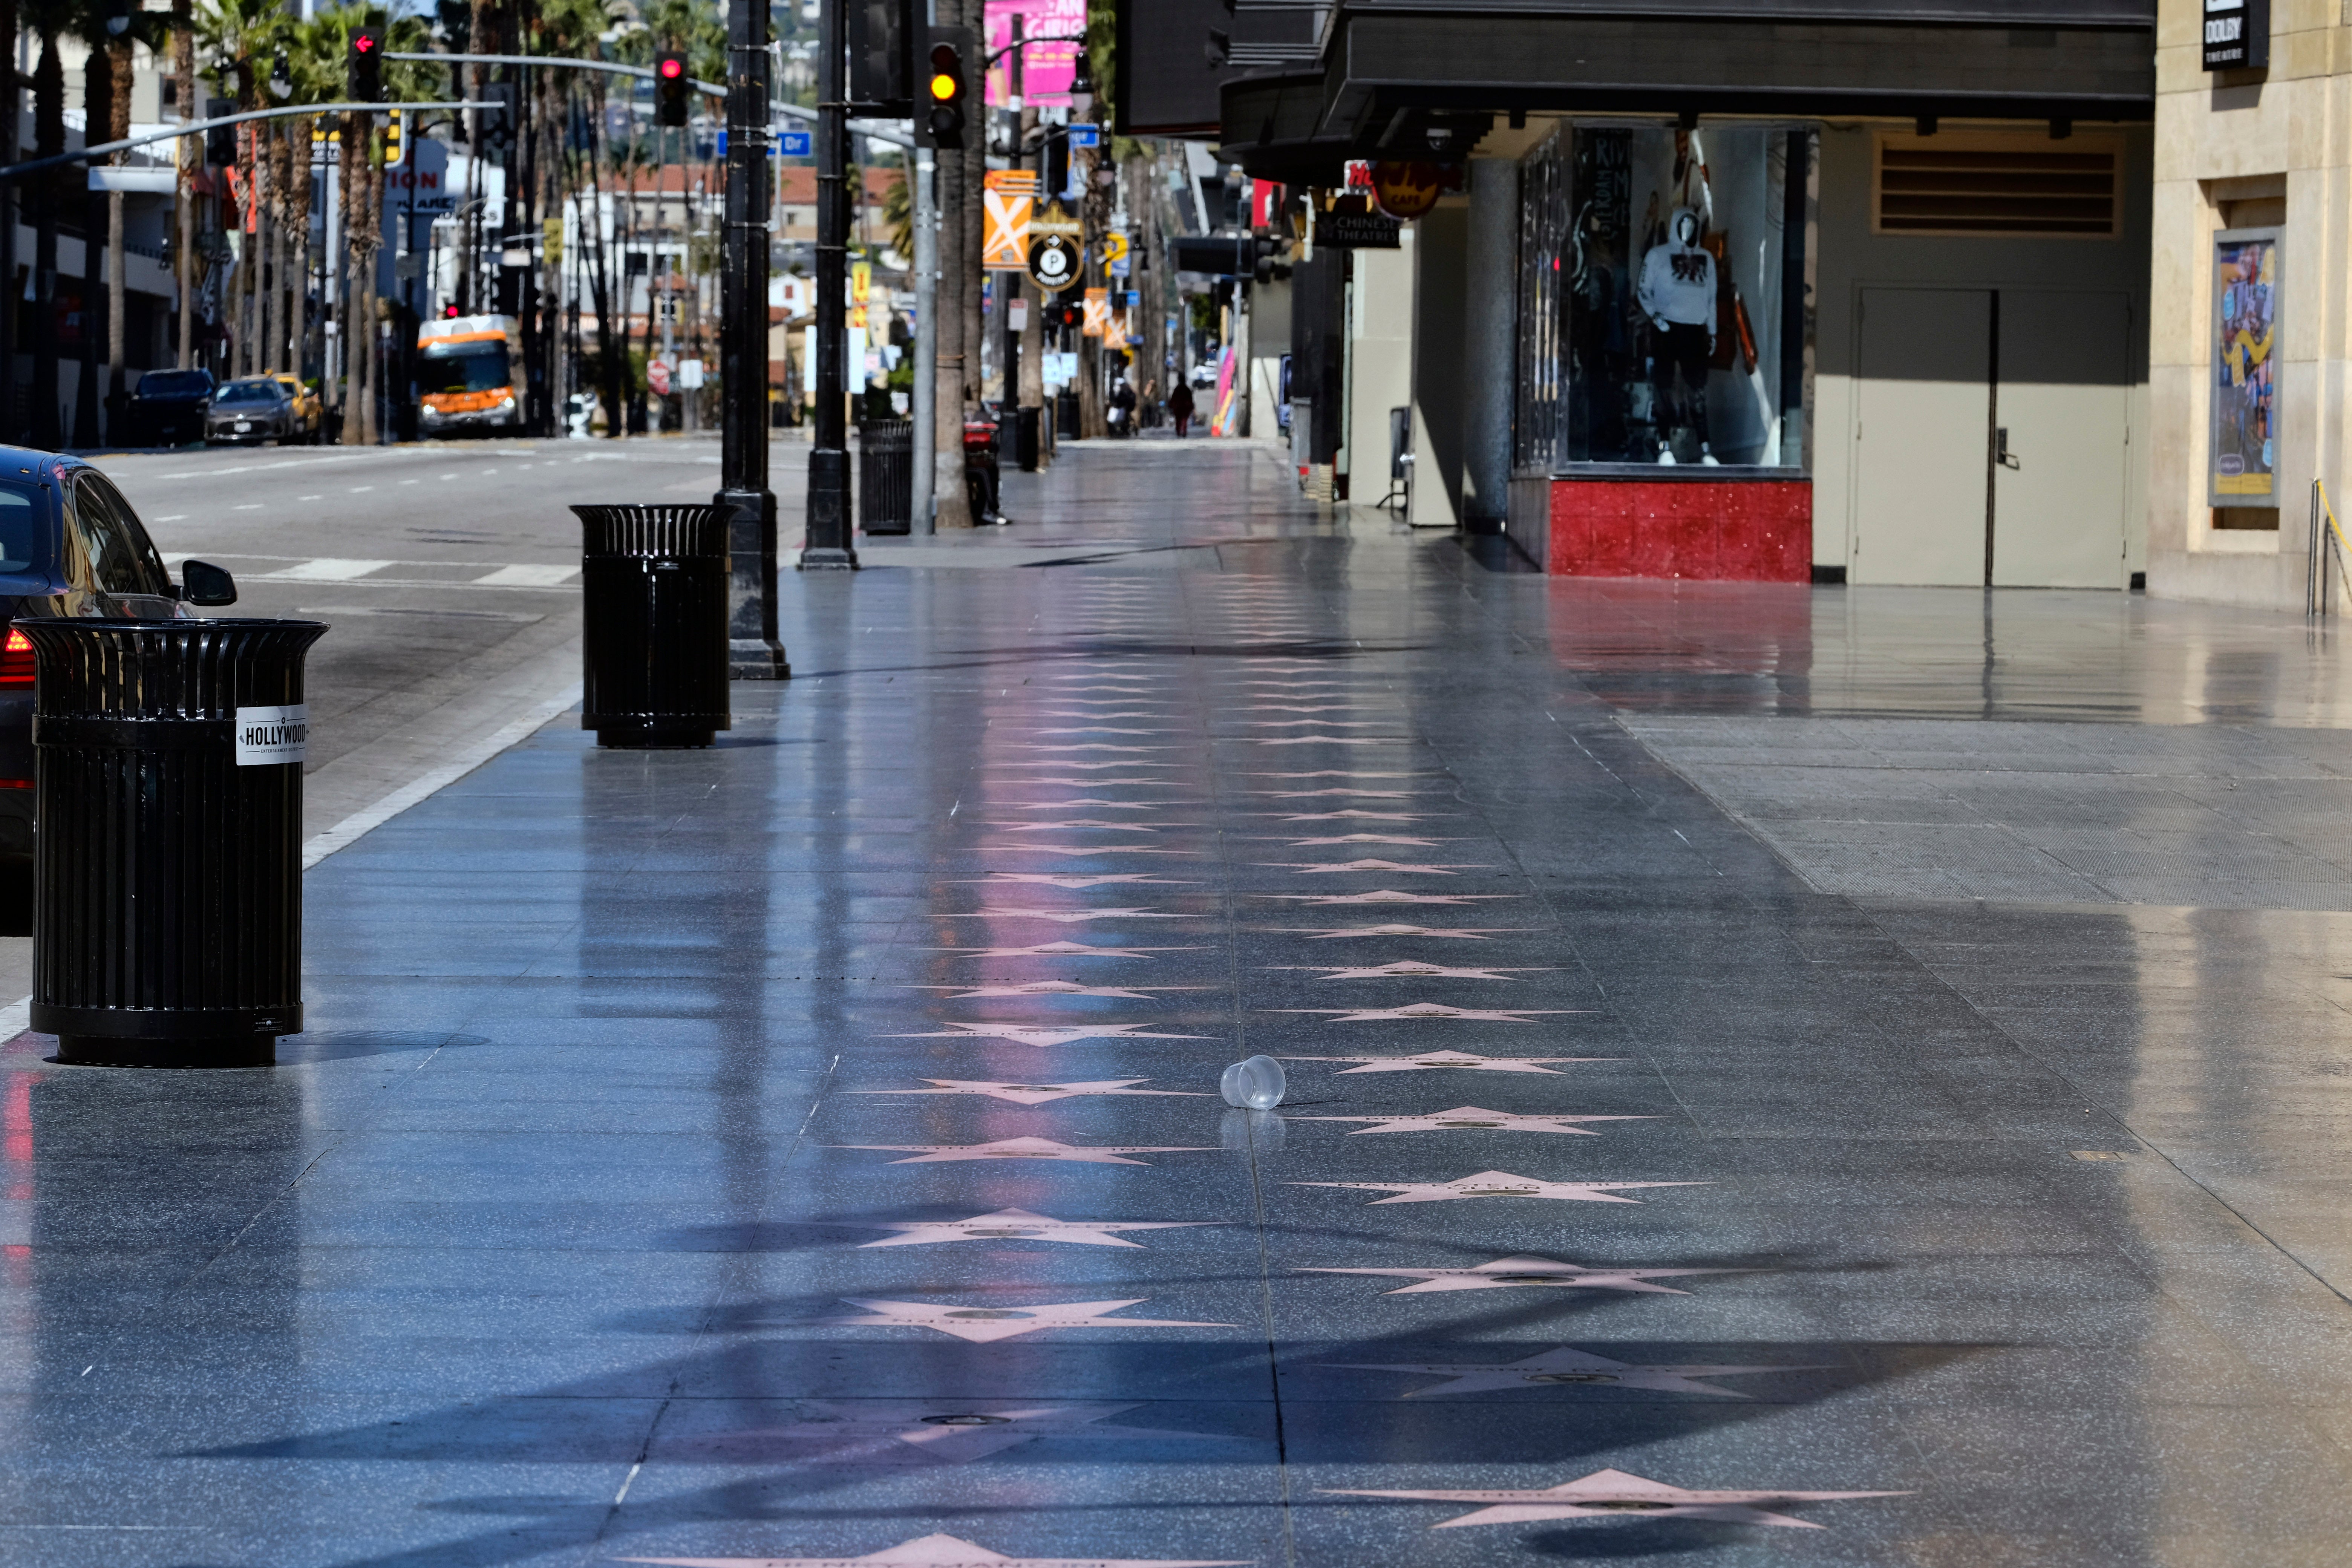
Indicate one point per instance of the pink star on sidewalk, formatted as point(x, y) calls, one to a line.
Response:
point(1085, 821)
point(1506, 1273)
point(1398, 928)
point(936, 1552)
point(1018, 1225)
point(1072, 917)
point(1471, 1118)
point(983, 1325)
point(1037, 1149)
point(1567, 1367)
point(1055, 988)
point(1426, 1061)
point(1368, 838)
point(1386, 896)
point(1029, 1035)
point(1416, 969)
point(1055, 880)
point(902, 1431)
point(1434, 1010)
point(1498, 1184)
point(1332, 740)
point(1074, 850)
point(1317, 868)
point(1035, 1093)
point(1614, 1494)
point(1347, 813)
point(1063, 950)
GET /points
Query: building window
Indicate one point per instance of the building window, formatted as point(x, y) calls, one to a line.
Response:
point(1660, 297)
point(1997, 184)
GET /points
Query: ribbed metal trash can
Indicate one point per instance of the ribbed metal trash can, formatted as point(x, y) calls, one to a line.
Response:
point(167, 865)
point(886, 475)
point(654, 587)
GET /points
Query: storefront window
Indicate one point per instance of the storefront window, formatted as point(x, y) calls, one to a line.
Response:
point(1661, 297)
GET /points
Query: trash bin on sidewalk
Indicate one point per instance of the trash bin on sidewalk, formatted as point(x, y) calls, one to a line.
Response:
point(167, 866)
point(886, 475)
point(654, 590)
point(1025, 439)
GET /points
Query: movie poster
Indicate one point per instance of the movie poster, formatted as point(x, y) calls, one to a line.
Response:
point(2244, 465)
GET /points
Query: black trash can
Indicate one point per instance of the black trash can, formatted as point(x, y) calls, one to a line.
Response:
point(886, 475)
point(167, 866)
point(1066, 412)
point(1025, 439)
point(654, 590)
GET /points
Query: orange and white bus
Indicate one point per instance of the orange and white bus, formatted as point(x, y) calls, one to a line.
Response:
point(465, 374)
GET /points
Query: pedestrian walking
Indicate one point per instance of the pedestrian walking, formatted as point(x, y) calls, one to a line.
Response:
point(1180, 406)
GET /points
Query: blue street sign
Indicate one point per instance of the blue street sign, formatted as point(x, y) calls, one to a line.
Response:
point(782, 144)
point(1085, 135)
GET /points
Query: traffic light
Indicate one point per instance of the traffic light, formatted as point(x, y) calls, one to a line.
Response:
point(220, 142)
point(498, 120)
point(363, 67)
point(118, 18)
point(943, 90)
point(281, 76)
point(882, 57)
point(670, 89)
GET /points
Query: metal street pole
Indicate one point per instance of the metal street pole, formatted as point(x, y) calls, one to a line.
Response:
point(753, 652)
point(924, 404)
point(828, 543)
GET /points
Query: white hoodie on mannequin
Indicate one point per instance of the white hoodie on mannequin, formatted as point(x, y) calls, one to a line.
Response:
point(1678, 283)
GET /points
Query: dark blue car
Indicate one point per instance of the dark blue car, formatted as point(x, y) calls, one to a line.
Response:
point(70, 545)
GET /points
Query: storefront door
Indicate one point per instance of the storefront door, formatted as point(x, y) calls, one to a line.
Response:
point(1990, 438)
point(1920, 425)
point(2058, 499)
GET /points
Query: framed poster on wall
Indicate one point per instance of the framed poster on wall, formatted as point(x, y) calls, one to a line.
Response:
point(2242, 468)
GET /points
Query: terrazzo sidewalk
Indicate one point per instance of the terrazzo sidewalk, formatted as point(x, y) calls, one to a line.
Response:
point(807, 1150)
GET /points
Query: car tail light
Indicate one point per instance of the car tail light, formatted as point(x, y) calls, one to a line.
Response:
point(17, 660)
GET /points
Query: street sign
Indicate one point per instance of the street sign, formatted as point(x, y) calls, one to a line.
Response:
point(1053, 260)
point(1114, 247)
point(1085, 135)
point(657, 378)
point(689, 374)
point(794, 144)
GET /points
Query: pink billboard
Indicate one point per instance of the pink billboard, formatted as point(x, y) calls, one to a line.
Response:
point(1047, 68)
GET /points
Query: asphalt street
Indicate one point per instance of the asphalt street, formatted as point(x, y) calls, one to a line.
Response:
point(450, 573)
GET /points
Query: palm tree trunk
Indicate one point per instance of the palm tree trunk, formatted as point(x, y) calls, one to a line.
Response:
point(191, 157)
point(98, 101)
point(11, 103)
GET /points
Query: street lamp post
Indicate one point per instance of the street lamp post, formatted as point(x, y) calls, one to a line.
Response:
point(753, 652)
point(828, 543)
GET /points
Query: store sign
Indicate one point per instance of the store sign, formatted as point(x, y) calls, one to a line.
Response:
point(2244, 419)
point(1053, 261)
point(1407, 190)
point(2237, 35)
point(1356, 230)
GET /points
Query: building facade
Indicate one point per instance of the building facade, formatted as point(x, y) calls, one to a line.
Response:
point(1797, 290)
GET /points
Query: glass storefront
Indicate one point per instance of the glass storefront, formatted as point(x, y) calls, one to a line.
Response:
point(1661, 297)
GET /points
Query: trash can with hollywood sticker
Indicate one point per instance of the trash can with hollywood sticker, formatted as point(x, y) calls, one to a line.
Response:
point(652, 584)
point(167, 859)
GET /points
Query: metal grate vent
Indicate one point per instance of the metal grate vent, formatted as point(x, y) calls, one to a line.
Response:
point(1933, 189)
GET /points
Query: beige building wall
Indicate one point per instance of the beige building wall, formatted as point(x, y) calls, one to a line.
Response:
point(2239, 150)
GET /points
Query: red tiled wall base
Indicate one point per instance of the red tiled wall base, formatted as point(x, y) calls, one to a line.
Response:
point(1727, 531)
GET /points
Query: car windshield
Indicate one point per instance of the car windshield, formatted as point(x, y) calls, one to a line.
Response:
point(246, 392)
point(22, 508)
point(463, 368)
point(173, 384)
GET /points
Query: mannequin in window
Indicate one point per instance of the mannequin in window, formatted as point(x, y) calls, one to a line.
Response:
point(1677, 292)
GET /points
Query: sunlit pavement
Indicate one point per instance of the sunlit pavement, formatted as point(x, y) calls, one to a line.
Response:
point(1860, 1059)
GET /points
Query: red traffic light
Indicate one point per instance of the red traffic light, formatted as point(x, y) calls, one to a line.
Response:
point(671, 67)
point(363, 43)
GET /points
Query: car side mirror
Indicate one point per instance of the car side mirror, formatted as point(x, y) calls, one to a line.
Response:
point(202, 582)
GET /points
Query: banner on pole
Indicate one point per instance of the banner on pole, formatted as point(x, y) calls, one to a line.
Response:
point(1005, 243)
point(1097, 320)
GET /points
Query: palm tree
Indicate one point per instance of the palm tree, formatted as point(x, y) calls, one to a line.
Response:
point(49, 20)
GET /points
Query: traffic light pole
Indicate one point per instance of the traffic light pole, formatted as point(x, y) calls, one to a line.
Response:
point(828, 543)
point(744, 498)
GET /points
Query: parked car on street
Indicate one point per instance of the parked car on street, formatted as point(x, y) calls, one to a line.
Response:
point(309, 414)
point(256, 409)
point(167, 408)
point(70, 545)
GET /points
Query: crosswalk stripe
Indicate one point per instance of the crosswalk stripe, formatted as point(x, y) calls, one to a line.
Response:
point(327, 569)
point(528, 577)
